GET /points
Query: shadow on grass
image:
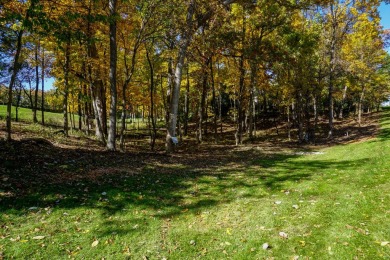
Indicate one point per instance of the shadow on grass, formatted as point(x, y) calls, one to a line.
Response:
point(35, 173)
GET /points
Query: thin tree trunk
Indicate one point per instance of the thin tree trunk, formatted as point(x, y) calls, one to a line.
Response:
point(288, 123)
point(174, 105)
point(202, 103)
point(251, 97)
point(123, 121)
point(315, 118)
point(35, 108)
point(151, 113)
point(66, 87)
point(240, 115)
point(186, 103)
point(360, 107)
point(43, 87)
point(331, 72)
point(18, 98)
point(214, 99)
point(15, 70)
point(129, 75)
point(71, 117)
point(342, 101)
point(79, 110)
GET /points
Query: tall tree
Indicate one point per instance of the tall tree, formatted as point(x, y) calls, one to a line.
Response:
point(16, 16)
point(111, 144)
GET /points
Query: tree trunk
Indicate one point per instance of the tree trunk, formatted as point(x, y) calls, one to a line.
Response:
point(71, 118)
point(220, 110)
point(66, 86)
point(332, 66)
point(123, 121)
point(186, 103)
point(111, 144)
point(15, 70)
point(98, 110)
point(300, 117)
point(342, 101)
point(202, 103)
point(35, 108)
point(174, 106)
point(96, 88)
point(79, 110)
point(240, 116)
point(214, 99)
point(18, 98)
point(43, 87)
point(360, 107)
point(288, 123)
point(315, 110)
point(151, 113)
point(251, 97)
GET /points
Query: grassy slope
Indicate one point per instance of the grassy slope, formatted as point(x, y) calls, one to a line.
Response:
point(181, 211)
point(25, 115)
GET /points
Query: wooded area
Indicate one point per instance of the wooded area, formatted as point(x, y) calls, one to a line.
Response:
point(248, 129)
point(195, 64)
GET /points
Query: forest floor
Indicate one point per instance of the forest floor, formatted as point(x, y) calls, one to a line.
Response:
point(270, 198)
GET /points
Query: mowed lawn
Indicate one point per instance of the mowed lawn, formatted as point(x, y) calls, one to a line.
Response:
point(26, 115)
point(325, 204)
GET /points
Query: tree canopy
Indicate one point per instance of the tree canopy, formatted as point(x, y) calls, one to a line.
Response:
point(199, 62)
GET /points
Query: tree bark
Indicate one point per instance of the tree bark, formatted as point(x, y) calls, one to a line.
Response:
point(79, 111)
point(174, 105)
point(251, 97)
point(214, 99)
point(151, 113)
point(342, 101)
point(66, 87)
point(43, 87)
point(360, 107)
point(186, 103)
point(35, 108)
point(315, 110)
point(18, 98)
point(111, 144)
point(97, 102)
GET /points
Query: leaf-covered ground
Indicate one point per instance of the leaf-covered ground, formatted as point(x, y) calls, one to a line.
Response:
point(264, 200)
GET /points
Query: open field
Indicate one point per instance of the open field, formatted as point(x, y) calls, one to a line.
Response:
point(26, 115)
point(208, 202)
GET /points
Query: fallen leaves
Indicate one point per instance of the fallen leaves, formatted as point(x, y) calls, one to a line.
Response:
point(38, 237)
point(95, 243)
point(359, 230)
point(229, 231)
point(283, 235)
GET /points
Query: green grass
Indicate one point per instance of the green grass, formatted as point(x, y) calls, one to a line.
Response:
point(57, 119)
point(26, 115)
point(332, 205)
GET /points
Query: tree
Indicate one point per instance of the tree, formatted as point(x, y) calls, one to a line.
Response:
point(111, 144)
point(16, 17)
point(363, 51)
